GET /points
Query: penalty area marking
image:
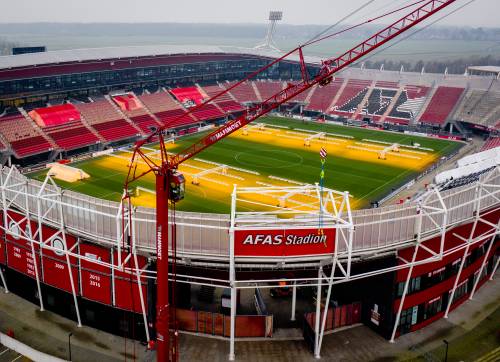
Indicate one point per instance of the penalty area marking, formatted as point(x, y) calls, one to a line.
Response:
point(378, 151)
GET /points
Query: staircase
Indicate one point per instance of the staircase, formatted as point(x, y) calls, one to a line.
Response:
point(37, 127)
point(206, 96)
point(425, 104)
point(391, 105)
point(365, 100)
point(147, 110)
point(91, 129)
point(123, 115)
point(193, 117)
point(256, 90)
point(337, 96)
point(228, 93)
point(310, 94)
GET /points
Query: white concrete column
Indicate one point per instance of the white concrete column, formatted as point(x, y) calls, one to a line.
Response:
point(294, 300)
point(318, 312)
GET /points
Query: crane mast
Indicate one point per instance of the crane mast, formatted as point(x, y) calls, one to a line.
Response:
point(170, 183)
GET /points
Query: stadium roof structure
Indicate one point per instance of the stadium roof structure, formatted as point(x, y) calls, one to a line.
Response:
point(485, 70)
point(126, 52)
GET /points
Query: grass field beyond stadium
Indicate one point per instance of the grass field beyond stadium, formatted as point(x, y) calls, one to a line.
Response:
point(276, 155)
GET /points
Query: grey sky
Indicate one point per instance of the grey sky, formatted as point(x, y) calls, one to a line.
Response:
point(479, 13)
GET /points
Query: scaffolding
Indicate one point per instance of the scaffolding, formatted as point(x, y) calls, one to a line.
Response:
point(209, 239)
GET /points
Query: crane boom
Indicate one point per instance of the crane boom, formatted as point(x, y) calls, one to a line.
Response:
point(165, 168)
point(330, 67)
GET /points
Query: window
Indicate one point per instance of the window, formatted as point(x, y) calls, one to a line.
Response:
point(460, 291)
point(408, 318)
point(484, 272)
point(455, 266)
point(436, 276)
point(433, 307)
point(413, 286)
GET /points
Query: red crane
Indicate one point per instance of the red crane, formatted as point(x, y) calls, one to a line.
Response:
point(170, 182)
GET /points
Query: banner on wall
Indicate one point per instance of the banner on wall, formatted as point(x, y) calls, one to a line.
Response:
point(284, 242)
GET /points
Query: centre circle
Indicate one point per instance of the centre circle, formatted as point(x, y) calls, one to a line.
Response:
point(269, 159)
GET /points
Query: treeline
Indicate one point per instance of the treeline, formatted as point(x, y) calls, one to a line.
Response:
point(456, 66)
point(284, 31)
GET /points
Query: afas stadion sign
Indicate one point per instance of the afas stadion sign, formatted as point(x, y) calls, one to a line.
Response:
point(278, 243)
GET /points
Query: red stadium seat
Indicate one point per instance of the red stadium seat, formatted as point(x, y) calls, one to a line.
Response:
point(441, 105)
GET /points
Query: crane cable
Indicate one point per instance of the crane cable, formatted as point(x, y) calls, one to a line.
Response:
point(363, 23)
point(413, 33)
point(340, 21)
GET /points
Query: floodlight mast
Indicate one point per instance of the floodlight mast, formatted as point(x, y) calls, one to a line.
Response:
point(274, 17)
point(170, 184)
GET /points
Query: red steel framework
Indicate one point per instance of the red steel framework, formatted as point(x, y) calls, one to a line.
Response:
point(170, 183)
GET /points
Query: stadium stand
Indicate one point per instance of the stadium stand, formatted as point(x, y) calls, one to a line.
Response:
point(244, 93)
point(490, 143)
point(351, 97)
point(127, 102)
point(468, 169)
point(408, 104)
point(106, 120)
point(166, 109)
point(23, 136)
point(71, 135)
point(268, 88)
point(441, 105)
point(479, 106)
point(323, 97)
point(464, 180)
point(3, 147)
point(208, 113)
point(302, 97)
point(55, 115)
point(159, 102)
point(188, 97)
point(132, 107)
point(378, 101)
point(225, 102)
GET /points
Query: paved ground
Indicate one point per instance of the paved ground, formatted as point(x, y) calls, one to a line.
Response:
point(49, 333)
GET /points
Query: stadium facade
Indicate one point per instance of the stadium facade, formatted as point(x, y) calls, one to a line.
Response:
point(395, 268)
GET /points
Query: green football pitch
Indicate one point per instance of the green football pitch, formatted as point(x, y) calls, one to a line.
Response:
point(272, 154)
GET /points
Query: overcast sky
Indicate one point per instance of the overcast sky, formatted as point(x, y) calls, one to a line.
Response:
point(479, 13)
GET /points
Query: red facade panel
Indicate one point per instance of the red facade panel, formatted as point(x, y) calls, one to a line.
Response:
point(20, 258)
point(55, 273)
point(438, 289)
point(3, 260)
point(127, 295)
point(451, 241)
point(54, 262)
point(95, 278)
point(19, 251)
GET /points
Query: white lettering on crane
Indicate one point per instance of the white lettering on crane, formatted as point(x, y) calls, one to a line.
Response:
point(226, 130)
point(159, 243)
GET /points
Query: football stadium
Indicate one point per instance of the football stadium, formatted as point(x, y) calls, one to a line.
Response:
point(297, 192)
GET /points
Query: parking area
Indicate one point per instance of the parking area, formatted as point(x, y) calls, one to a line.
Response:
point(8, 355)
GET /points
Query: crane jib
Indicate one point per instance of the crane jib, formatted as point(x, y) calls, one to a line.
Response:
point(171, 162)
